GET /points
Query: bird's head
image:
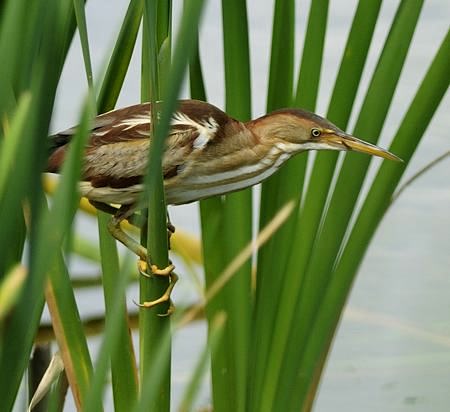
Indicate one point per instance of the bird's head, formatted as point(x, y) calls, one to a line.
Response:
point(298, 130)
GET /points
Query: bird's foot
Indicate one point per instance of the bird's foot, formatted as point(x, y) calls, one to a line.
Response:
point(154, 270)
point(165, 297)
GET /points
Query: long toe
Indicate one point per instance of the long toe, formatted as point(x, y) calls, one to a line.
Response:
point(167, 271)
point(165, 297)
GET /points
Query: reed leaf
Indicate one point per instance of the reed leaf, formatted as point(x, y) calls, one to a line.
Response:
point(120, 58)
point(236, 223)
point(215, 336)
point(48, 30)
point(409, 134)
point(340, 107)
point(369, 123)
point(111, 348)
point(123, 362)
point(270, 352)
point(59, 293)
point(288, 186)
point(351, 176)
point(80, 16)
point(154, 330)
point(211, 213)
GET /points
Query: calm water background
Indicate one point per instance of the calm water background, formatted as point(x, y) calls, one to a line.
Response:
point(392, 350)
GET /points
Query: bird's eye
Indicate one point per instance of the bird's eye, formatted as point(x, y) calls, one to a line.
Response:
point(315, 132)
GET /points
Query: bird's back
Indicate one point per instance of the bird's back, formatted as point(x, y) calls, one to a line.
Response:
point(117, 150)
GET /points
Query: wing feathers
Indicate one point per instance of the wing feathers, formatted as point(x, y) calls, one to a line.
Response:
point(118, 146)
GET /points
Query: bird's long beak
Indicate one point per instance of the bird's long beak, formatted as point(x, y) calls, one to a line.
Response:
point(344, 141)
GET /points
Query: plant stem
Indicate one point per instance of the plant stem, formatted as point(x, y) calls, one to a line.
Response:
point(154, 329)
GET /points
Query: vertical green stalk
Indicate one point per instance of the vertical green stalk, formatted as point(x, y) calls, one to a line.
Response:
point(123, 362)
point(211, 212)
point(110, 349)
point(226, 226)
point(195, 383)
point(80, 15)
point(154, 329)
point(121, 352)
point(273, 196)
point(311, 63)
point(196, 82)
point(237, 207)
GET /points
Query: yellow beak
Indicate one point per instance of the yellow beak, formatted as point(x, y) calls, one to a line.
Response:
point(344, 141)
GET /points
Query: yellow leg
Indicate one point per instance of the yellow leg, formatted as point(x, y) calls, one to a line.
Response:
point(116, 231)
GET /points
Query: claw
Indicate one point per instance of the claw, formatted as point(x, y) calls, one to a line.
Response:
point(165, 297)
point(143, 268)
point(170, 310)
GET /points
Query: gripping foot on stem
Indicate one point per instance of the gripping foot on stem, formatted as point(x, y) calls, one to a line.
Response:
point(124, 212)
point(165, 297)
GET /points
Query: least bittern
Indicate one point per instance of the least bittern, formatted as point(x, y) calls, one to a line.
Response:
point(207, 153)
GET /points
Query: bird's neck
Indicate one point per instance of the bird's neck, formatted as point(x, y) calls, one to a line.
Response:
point(243, 157)
point(268, 132)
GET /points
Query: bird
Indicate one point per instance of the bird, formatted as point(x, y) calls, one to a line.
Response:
point(207, 153)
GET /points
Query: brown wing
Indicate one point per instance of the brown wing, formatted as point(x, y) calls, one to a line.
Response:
point(117, 150)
